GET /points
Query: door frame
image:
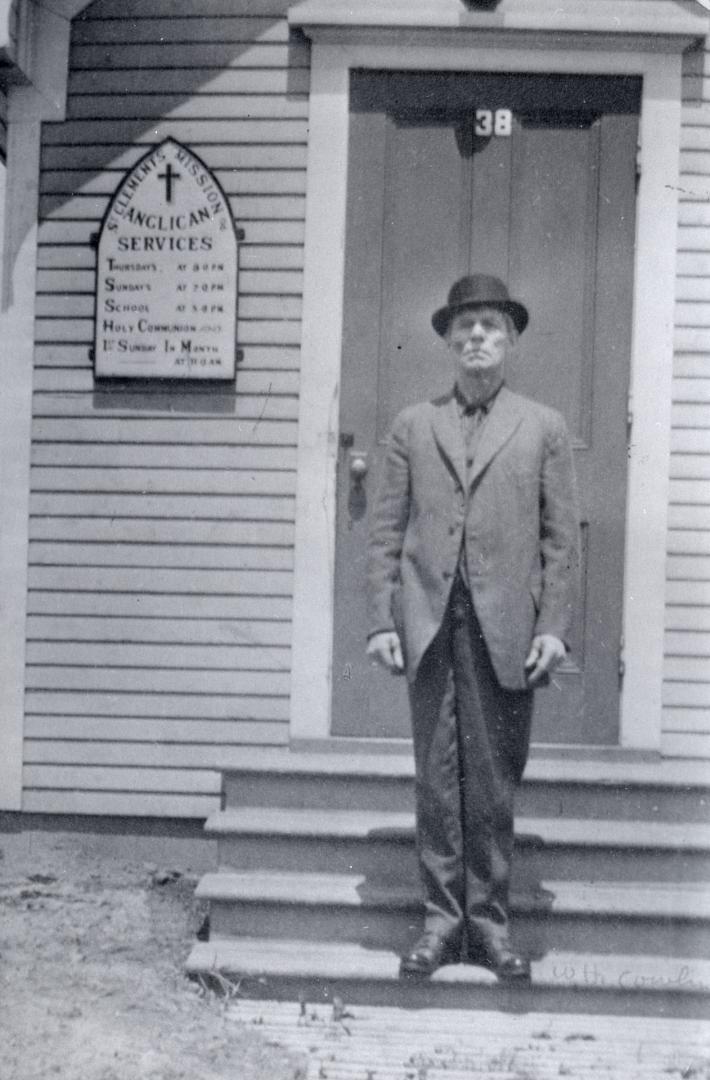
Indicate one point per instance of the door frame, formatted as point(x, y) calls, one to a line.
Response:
point(651, 359)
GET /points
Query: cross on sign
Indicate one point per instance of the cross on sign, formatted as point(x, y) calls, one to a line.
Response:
point(169, 176)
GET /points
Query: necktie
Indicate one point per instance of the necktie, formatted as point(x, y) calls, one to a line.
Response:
point(472, 421)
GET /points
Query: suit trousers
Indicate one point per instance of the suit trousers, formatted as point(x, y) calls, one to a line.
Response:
point(471, 740)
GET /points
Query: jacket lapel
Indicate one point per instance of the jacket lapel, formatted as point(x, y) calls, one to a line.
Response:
point(446, 425)
point(501, 422)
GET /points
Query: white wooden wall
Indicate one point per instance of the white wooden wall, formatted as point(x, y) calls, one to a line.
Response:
point(686, 721)
point(162, 524)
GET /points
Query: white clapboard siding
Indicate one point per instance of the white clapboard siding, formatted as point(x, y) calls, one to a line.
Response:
point(136, 802)
point(143, 481)
point(64, 281)
point(693, 263)
point(249, 382)
point(147, 729)
point(688, 644)
point(692, 212)
point(185, 630)
point(254, 357)
point(686, 717)
point(244, 207)
point(688, 542)
point(161, 429)
point(170, 9)
point(258, 232)
point(187, 556)
point(244, 107)
point(147, 605)
point(223, 30)
point(157, 531)
point(75, 379)
point(687, 744)
point(66, 306)
point(694, 518)
point(116, 778)
point(156, 680)
point(249, 332)
point(234, 707)
point(145, 133)
point(166, 755)
point(193, 507)
point(162, 520)
point(694, 592)
point(169, 81)
point(147, 456)
point(691, 366)
point(252, 256)
point(184, 657)
point(687, 617)
point(189, 56)
point(690, 467)
point(120, 404)
point(688, 567)
point(173, 581)
point(116, 158)
point(278, 181)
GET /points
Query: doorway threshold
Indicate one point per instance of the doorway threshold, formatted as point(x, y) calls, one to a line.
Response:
point(539, 752)
point(342, 744)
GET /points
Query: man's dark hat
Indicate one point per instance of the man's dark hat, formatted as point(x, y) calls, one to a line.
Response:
point(479, 290)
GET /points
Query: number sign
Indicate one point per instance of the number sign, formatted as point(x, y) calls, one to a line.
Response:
point(489, 122)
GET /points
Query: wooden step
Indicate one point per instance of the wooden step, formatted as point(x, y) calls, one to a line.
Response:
point(626, 918)
point(381, 845)
point(566, 982)
point(609, 787)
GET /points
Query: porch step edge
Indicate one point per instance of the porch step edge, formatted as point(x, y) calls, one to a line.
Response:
point(260, 958)
point(663, 773)
point(398, 827)
point(627, 900)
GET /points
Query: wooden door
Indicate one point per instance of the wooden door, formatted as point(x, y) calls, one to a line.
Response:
point(547, 202)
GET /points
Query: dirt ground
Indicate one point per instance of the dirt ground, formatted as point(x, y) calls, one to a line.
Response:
point(91, 974)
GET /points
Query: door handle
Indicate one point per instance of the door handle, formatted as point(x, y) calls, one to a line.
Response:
point(358, 466)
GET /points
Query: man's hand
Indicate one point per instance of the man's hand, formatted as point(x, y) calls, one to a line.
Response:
point(385, 649)
point(545, 654)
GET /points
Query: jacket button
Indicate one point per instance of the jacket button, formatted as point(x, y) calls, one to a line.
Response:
point(446, 575)
point(452, 530)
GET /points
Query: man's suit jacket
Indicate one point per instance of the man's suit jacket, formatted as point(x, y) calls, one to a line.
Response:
point(515, 511)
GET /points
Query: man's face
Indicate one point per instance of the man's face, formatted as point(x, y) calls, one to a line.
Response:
point(480, 339)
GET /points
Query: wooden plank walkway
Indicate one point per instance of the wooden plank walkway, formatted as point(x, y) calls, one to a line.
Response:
point(344, 1042)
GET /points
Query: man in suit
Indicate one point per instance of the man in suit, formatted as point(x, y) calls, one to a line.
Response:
point(472, 583)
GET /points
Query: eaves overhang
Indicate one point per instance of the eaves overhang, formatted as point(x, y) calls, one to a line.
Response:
point(34, 48)
point(665, 23)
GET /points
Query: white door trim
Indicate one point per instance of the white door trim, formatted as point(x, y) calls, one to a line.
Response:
point(651, 362)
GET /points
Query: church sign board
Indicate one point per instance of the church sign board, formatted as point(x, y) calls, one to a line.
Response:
point(166, 280)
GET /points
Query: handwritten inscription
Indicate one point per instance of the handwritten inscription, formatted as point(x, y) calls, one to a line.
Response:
point(166, 294)
point(592, 975)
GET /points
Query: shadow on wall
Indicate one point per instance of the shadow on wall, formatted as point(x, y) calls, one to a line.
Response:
point(232, 88)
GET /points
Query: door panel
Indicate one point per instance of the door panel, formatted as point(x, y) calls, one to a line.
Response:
point(551, 210)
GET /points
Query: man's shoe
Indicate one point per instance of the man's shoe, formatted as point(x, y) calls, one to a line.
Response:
point(503, 961)
point(432, 951)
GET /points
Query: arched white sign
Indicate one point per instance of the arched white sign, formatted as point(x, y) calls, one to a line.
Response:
point(166, 276)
